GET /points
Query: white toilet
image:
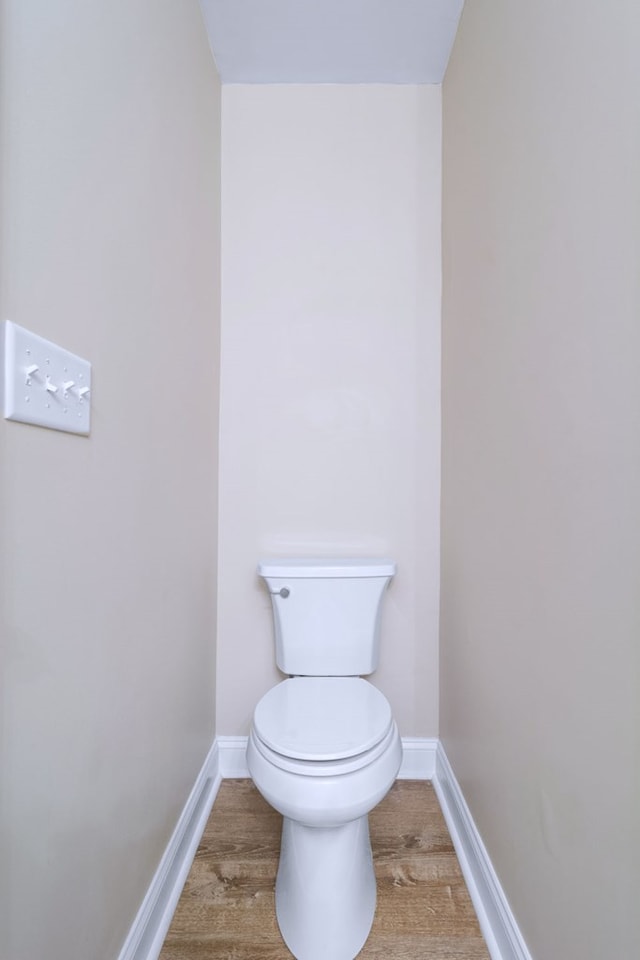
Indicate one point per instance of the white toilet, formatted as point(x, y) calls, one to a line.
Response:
point(324, 749)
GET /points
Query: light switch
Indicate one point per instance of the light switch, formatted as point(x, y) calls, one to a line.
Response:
point(44, 384)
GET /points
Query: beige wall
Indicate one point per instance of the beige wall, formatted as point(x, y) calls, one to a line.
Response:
point(110, 246)
point(541, 460)
point(329, 435)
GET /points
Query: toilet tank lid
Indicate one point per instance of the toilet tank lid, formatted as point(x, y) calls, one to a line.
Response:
point(289, 568)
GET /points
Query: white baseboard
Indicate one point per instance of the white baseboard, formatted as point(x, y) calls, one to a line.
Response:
point(233, 757)
point(422, 759)
point(498, 925)
point(418, 758)
point(150, 926)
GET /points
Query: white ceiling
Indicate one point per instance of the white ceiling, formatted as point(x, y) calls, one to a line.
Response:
point(331, 41)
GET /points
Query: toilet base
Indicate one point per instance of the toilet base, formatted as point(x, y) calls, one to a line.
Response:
point(326, 889)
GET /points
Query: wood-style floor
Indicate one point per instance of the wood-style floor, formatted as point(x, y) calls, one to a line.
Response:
point(227, 906)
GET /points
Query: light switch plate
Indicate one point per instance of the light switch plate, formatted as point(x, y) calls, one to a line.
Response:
point(44, 384)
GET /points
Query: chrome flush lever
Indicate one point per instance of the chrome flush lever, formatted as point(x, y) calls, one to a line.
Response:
point(282, 592)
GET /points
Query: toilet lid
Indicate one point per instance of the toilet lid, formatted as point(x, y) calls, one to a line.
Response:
point(322, 718)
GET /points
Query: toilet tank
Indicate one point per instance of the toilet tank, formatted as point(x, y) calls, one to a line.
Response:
point(327, 614)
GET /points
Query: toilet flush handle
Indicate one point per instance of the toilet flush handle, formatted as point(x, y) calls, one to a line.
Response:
point(282, 592)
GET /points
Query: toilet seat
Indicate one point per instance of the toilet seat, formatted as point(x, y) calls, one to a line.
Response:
point(322, 725)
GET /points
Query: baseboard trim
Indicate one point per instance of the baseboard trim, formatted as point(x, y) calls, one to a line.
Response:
point(498, 925)
point(233, 757)
point(150, 926)
point(418, 758)
point(422, 759)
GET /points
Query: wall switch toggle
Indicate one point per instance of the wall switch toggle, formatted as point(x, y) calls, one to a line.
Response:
point(50, 387)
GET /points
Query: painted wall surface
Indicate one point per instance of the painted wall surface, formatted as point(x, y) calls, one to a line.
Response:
point(541, 460)
point(329, 433)
point(109, 245)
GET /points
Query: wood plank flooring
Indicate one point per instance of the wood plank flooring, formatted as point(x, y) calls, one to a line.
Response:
point(227, 906)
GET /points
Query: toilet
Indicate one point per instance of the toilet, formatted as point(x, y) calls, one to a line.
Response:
point(324, 749)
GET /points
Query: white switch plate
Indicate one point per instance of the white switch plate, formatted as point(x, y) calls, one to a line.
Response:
point(43, 383)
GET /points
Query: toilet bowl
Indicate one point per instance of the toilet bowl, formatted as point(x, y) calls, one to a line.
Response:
point(323, 751)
